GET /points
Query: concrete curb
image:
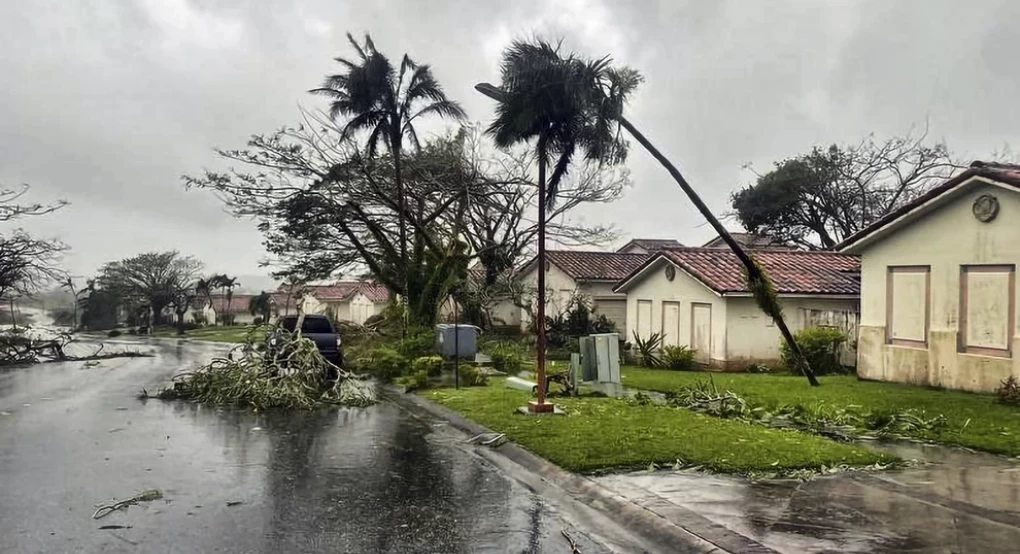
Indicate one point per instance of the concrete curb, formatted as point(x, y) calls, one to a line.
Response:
point(658, 531)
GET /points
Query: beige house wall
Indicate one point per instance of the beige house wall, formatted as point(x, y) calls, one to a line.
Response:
point(753, 337)
point(944, 239)
point(652, 285)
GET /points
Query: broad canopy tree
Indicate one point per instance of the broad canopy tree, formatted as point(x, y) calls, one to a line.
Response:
point(152, 282)
point(818, 199)
point(27, 263)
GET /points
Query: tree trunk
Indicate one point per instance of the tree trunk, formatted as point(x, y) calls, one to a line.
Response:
point(540, 316)
point(752, 270)
point(180, 323)
point(401, 207)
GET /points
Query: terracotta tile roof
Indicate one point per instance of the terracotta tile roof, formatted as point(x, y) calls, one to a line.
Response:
point(1008, 174)
point(792, 271)
point(238, 304)
point(594, 266)
point(652, 245)
point(747, 240)
point(338, 291)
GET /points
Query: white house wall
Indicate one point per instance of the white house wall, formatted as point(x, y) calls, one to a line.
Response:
point(944, 239)
point(753, 337)
point(685, 290)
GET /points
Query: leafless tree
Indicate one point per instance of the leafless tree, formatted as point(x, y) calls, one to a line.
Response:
point(27, 263)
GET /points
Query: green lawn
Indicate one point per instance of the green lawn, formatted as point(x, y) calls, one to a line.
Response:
point(974, 420)
point(236, 333)
point(601, 433)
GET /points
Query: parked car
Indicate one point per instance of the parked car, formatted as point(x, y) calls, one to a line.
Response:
point(320, 330)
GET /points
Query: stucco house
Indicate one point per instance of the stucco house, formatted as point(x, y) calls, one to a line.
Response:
point(353, 301)
point(592, 275)
point(697, 297)
point(938, 284)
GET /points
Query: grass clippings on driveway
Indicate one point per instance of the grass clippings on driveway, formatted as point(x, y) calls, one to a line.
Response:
point(972, 420)
point(605, 433)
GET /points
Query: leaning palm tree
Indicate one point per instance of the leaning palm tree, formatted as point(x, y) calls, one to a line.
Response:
point(386, 103)
point(228, 284)
point(548, 98)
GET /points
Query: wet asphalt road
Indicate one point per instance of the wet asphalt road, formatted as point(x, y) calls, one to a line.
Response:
point(348, 480)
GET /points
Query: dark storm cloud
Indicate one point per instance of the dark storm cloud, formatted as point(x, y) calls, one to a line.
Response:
point(108, 103)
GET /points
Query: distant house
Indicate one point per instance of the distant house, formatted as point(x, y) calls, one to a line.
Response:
point(938, 284)
point(590, 275)
point(353, 301)
point(697, 297)
point(648, 246)
point(215, 312)
point(748, 240)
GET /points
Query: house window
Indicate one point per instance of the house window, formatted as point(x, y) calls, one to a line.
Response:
point(987, 309)
point(908, 305)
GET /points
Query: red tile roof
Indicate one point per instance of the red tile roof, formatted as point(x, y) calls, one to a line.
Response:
point(652, 245)
point(792, 271)
point(593, 266)
point(238, 304)
point(340, 290)
point(1008, 174)
point(747, 240)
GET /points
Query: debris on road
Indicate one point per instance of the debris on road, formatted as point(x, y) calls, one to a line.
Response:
point(104, 527)
point(234, 502)
point(573, 545)
point(272, 369)
point(144, 496)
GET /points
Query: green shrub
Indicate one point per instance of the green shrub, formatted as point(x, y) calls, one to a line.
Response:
point(384, 362)
point(418, 343)
point(678, 356)
point(431, 365)
point(191, 325)
point(472, 376)
point(1009, 391)
point(421, 378)
point(257, 321)
point(113, 333)
point(648, 349)
point(820, 346)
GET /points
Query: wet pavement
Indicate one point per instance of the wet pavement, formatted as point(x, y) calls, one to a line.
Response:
point(955, 502)
point(341, 480)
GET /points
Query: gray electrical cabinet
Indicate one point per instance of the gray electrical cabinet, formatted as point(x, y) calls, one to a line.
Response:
point(607, 357)
point(600, 358)
point(456, 340)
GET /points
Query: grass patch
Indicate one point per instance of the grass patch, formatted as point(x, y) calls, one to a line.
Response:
point(604, 433)
point(236, 333)
point(972, 420)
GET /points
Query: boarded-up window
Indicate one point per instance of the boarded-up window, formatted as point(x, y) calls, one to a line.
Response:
point(987, 308)
point(644, 318)
point(907, 305)
point(670, 323)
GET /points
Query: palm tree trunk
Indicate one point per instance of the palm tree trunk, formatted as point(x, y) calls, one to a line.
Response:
point(401, 206)
point(752, 270)
point(540, 326)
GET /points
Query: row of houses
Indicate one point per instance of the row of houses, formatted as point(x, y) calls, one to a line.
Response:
point(927, 294)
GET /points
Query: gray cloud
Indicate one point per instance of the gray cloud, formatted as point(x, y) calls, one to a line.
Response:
point(108, 103)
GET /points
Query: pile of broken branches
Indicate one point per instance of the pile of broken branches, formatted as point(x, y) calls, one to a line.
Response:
point(26, 346)
point(272, 369)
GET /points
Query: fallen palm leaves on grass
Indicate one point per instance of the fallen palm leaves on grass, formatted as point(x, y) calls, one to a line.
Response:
point(845, 424)
point(271, 369)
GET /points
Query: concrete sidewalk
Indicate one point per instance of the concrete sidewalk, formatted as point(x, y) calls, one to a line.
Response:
point(956, 502)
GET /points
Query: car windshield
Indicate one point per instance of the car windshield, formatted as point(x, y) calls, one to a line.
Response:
point(316, 325)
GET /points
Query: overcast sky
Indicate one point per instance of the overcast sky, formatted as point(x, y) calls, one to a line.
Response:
point(106, 103)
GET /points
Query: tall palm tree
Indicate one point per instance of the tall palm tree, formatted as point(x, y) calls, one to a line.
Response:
point(549, 98)
point(204, 287)
point(228, 284)
point(260, 305)
point(386, 103)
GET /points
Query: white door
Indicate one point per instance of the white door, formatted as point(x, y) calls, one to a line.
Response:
point(644, 318)
point(670, 323)
point(701, 332)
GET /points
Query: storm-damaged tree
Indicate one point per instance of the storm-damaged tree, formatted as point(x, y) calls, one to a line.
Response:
point(182, 298)
point(326, 207)
point(27, 263)
point(228, 284)
point(550, 99)
point(818, 199)
point(384, 102)
point(607, 90)
point(150, 282)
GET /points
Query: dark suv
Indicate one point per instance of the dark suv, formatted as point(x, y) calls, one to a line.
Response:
point(321, 330)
